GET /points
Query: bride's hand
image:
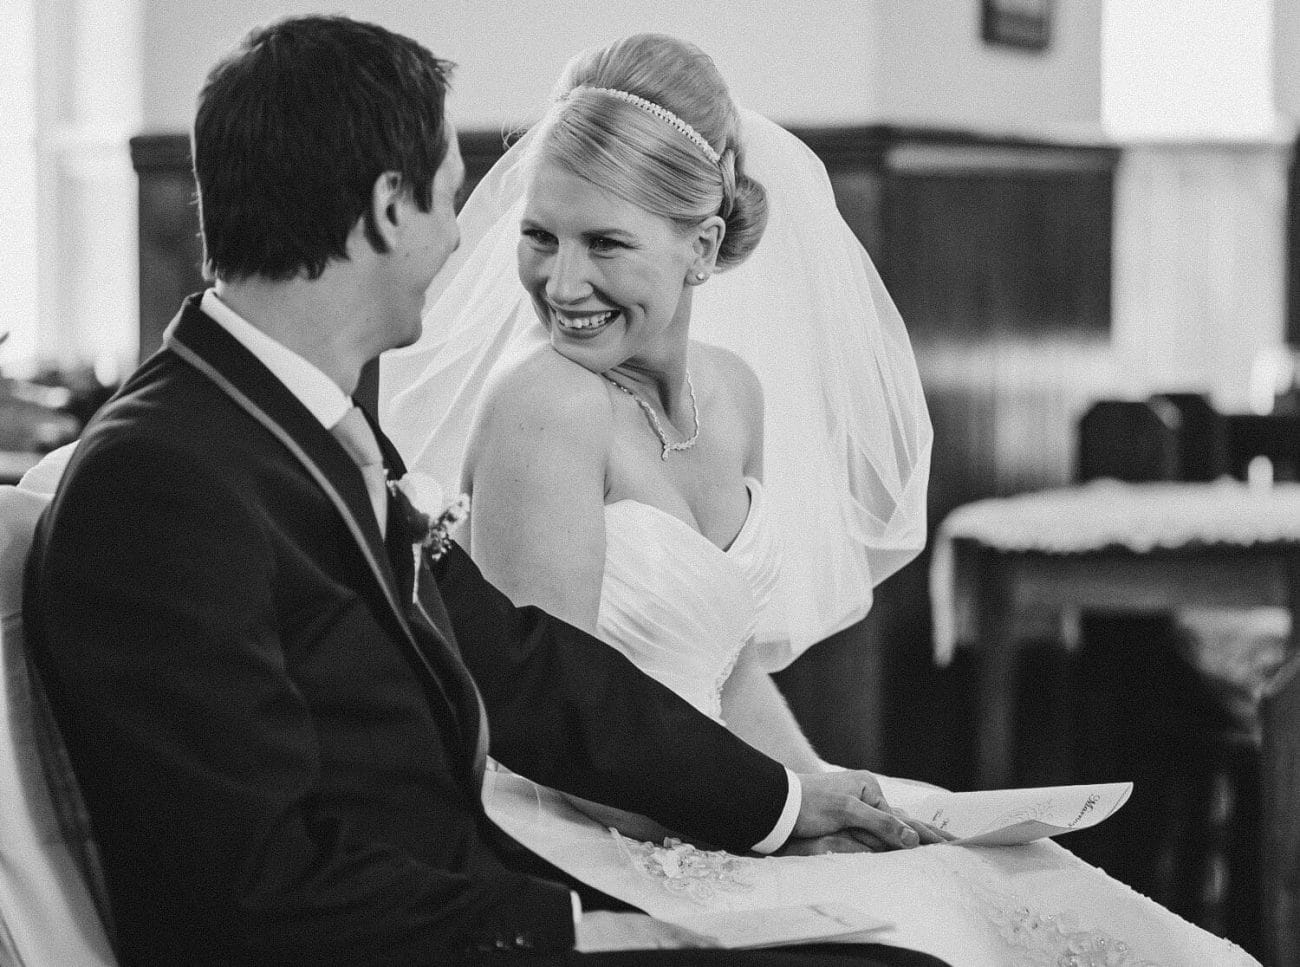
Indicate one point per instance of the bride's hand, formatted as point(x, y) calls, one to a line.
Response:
point(846, 811)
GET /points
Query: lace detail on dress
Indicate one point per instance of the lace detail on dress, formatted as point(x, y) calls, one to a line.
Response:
point(700, 875)
point(1060, 941)
point(1038, 939)
point(720, 682)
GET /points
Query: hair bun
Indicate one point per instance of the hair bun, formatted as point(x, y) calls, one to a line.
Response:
point(745, 221)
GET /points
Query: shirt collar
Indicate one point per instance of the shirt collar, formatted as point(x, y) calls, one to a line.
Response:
point(311, 387)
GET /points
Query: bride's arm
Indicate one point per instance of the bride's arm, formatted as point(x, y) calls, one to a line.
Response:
point(755, 710)
point(535, 468)
point(752, 706)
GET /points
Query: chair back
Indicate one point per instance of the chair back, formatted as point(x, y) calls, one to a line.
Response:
point(1202, 437)
point(1130, 440)
point(1275, 436)
point(48, 917)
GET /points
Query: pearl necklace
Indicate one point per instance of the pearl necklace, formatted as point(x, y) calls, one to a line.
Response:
point(654, 418)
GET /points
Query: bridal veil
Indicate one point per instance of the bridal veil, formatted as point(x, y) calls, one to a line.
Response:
point(847, 439)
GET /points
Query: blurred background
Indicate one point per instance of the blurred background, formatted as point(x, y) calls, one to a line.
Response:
point(1072, 201)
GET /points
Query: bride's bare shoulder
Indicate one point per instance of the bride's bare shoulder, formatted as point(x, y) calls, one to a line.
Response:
point(733, 376)
point(542, 395)
point(543, 378)
point(733, 382)
point(731, 392)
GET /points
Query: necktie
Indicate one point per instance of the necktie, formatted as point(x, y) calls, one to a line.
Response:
point(353, 431)
point(358, 439)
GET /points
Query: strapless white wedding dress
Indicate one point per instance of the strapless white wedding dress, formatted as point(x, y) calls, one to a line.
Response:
point(676, 604)
point(682, 608)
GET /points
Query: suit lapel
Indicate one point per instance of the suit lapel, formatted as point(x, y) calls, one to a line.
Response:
point(205, 345)
point(427, 610)
point(256, 390)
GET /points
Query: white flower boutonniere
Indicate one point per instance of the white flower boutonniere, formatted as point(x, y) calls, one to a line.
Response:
point(429, 519)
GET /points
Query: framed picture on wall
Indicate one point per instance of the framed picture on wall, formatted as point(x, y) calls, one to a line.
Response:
point(1025, 24)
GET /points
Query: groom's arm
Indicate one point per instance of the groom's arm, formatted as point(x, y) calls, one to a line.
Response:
point(570, 711)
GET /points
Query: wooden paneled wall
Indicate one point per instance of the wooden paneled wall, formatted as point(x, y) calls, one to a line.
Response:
point(998, 254)
point(1293, 250)
point(171, 252)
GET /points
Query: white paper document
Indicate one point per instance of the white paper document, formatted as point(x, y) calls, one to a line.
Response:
point(813, 923)
point(968, 906)
point(1006, 817)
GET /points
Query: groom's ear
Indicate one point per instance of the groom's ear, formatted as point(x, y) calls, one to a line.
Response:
point(382, 217)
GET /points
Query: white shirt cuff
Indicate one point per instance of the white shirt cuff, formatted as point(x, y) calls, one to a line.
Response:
point(577, 909)
point(785, 824)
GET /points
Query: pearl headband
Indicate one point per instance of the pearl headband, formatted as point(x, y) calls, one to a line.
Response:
point(659, 111)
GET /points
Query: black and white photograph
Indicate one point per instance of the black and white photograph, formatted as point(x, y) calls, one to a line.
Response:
point(650, 484)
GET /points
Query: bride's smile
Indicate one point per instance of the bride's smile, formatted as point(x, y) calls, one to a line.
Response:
point(583, 324)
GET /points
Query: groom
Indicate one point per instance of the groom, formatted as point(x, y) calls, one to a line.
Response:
point(278, 721)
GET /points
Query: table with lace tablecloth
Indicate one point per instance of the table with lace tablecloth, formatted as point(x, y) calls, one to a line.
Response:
point(1005, 566)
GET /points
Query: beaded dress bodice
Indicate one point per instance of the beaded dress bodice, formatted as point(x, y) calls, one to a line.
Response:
point(680, 607)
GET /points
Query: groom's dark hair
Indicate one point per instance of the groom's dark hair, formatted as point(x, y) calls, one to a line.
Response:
point(292, 131)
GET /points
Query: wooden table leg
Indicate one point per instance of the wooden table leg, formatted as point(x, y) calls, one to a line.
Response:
point(1280, 846)
point(1280, 774)
point(995, 705)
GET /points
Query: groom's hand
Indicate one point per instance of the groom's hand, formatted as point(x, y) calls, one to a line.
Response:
point(846, 812)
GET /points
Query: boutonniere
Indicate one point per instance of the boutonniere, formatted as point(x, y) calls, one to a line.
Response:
point(428, 517)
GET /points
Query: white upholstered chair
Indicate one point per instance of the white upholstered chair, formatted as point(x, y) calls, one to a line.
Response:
point(48, 914)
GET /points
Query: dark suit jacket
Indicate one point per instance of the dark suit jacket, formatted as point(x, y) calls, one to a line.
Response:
point(276, 749)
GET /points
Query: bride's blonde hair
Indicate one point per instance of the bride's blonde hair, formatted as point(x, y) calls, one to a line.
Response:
point(635, 153)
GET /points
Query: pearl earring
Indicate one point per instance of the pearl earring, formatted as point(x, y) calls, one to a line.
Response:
point(701, 276)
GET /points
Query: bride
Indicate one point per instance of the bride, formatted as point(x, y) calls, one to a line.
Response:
point(708, 522)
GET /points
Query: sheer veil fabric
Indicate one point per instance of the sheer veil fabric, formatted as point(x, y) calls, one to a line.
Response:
point(847, 440)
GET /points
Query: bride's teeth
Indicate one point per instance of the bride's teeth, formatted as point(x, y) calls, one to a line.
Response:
point(583, 322)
